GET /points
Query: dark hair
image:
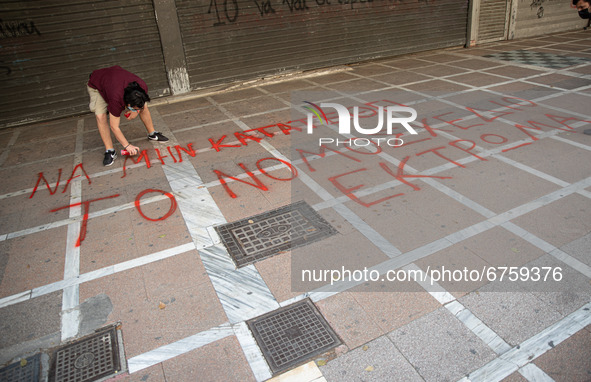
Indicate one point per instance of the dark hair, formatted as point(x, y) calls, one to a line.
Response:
point(575, 2)
point(134, 95)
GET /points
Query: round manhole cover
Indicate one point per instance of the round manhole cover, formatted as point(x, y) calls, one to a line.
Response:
point(84, 360)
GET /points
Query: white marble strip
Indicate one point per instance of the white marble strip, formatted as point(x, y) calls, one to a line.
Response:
point(476, 326)
point(166, 352)
point(549, 248)
point(253, 354)
point(15, 298)
point(242, 292)
point(532, 348)
point(96, 274)
point(534, 374)
point(433, 288)
point(196, 204)
point(71, 295)
point(572, 143)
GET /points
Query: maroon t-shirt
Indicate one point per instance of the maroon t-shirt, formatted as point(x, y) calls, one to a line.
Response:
point(111, 83)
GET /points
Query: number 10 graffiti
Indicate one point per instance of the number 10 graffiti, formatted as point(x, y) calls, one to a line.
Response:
point(230, 12)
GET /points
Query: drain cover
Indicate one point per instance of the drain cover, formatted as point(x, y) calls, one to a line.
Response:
point(26, 370)
point(547, 60)
point(292, 335)
point(267, 234)
point(88, 359)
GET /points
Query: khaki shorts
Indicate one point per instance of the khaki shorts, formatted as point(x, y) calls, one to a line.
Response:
point(97, 103)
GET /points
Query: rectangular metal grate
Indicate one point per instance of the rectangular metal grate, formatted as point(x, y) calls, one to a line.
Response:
point(88, 359)
point(547, 60)
point(27, 370)
point(292, 335)
point(267, 234)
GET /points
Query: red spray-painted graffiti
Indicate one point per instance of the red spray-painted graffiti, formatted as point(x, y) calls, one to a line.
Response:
point(503, 107)
point(86, 210)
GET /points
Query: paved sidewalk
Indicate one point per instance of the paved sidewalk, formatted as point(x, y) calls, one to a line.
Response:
point(495, 188)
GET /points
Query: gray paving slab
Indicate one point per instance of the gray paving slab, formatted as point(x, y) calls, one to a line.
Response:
point(30, 320)
point(565, 289)
point(378, 360)
point(515, 316)
point(580, 249)
point(448, 350)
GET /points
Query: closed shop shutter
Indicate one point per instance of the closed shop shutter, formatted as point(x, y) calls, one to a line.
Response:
point(492, 20)
point(227, 40)
point(538, 17)
point(49, 48)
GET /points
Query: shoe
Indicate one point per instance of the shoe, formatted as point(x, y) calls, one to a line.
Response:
point(156, 136)
point(110, 156)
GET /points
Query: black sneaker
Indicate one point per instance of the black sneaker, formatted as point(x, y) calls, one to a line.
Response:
point(110, 156)
point(156, 136)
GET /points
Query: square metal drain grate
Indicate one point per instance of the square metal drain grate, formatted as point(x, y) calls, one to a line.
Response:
point(547, 60)
point(292, 335)
point(88, 359)
point(26, 370)
point(267, 234)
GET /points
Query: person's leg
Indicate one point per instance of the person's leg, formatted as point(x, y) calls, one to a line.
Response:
point(99, 107)
point(104, 130)
point(146, 118)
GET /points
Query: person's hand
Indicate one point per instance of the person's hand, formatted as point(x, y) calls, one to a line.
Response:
point(132, 150)
point(131, 115)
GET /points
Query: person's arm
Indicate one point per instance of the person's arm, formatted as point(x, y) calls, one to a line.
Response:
point(115, 121)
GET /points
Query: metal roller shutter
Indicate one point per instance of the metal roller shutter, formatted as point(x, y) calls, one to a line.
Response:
point(226, 40)
point(49, 48)
point(492, 20)
point(537, 17)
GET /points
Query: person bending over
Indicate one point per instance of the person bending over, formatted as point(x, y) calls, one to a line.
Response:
point(112, 91)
